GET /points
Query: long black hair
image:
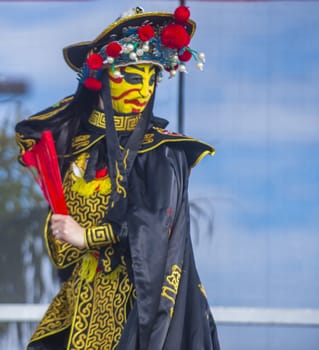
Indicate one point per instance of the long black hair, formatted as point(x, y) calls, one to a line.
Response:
point(64, 124)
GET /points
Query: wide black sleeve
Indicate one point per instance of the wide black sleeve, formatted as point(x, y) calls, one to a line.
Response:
point(154, 192)
point(162, 263)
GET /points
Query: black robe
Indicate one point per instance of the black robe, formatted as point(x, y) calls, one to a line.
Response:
point(171, 310)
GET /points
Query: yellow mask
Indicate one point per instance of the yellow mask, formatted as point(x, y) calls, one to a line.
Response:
point(131, 92)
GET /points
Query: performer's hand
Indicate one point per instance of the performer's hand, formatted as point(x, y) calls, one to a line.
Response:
point(66, 229)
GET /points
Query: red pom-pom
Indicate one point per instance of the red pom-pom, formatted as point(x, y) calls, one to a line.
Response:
point(182, 14)
point(92, 84)
point(175, 36)
point(100, 173)
point(185, 56)
point(146, 32)
point(170, 68)
point(95, 61)
point(113, 49)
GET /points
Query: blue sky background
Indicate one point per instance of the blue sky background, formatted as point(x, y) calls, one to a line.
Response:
point(257, 102)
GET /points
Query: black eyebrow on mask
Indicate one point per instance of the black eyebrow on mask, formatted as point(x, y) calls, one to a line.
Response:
point(142, 69)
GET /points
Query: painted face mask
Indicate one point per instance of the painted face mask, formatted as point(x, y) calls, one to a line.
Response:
point(132, 91)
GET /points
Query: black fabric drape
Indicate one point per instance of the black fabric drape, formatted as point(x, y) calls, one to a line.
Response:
point(158, 203)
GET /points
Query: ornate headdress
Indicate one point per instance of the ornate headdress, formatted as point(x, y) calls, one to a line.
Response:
point(136, 37)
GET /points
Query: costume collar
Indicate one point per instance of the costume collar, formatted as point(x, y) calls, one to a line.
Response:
point(121, 122)
point(155, 137)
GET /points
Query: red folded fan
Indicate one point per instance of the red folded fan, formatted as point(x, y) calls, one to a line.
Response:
point(43, 163)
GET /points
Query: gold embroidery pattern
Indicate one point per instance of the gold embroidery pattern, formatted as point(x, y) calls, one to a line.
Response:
point(24, 144)
point(95, 312)
point(67, 99)
point(202, 289)
point(80, 324)
point(48, 114)
point(170, 287)
point(87, 211)
point(109, 314)
point(148, 138)
point(125, 158)
point(119, 177)
point(97, 119)
point(80, 141)
point(106, 260)
point(59, 314)
point(125, 123)
point(100, 235)
point(121, 123)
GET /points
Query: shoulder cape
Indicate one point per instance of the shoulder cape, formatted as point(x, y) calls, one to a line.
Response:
point(28, 132)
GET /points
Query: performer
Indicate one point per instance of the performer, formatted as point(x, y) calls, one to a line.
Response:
point(131, 280)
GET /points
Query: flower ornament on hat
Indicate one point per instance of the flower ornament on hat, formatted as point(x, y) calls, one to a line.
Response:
point(161, 39)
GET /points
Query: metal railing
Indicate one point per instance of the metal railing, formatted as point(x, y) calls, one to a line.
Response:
point(223, 315)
